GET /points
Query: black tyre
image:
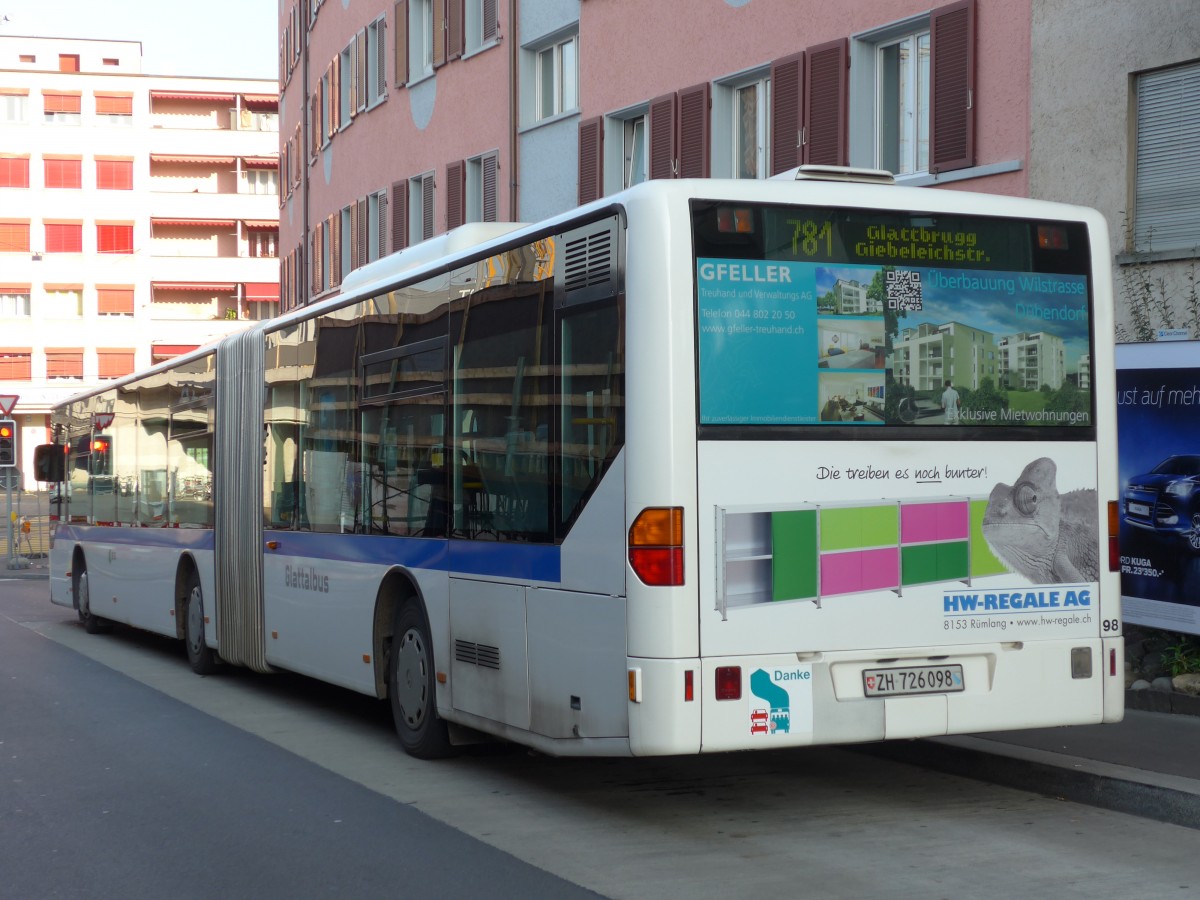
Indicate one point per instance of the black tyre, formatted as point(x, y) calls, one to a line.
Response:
point(411, 687)
point(92, 623)
point(200, 655)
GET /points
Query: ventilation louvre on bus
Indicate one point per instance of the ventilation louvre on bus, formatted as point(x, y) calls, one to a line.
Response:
point(844, 173)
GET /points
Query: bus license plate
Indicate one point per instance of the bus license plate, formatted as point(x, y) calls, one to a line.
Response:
point(912, 680)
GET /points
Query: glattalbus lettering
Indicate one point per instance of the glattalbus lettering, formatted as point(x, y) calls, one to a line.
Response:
point(305, 578)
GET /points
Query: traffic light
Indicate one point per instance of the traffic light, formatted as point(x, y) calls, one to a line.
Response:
point(100, 461)
point(8, 443)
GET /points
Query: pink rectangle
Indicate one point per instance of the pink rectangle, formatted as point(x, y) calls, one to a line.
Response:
point(841, 573)
point(922, 522)
point(860, 570)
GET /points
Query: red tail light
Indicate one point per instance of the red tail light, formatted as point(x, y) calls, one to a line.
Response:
point(656, 546)
point(729, 683)
point(1114, 526)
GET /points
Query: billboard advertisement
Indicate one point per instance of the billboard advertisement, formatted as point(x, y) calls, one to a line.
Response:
point(1158, 433)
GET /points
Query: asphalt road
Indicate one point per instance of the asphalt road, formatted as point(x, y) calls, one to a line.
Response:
point(123, 774)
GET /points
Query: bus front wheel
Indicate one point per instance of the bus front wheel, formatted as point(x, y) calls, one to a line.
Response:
point(411, 687)
point(92, 623)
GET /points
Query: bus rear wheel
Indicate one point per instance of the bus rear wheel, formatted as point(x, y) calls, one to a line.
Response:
point(92, 623)
point(201, 657)
point(411, 687)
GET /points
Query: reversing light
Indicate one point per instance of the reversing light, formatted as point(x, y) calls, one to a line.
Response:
point(729, 683)
point(656, 546)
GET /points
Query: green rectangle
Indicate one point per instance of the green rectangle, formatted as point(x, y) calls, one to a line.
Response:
point(952, 562)
point(983, 560)
point(794, 554)
point(919, 564)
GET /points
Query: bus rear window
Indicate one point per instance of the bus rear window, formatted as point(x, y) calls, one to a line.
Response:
point(867, 318)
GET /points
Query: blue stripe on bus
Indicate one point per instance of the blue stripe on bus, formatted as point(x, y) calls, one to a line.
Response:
point(525, 562)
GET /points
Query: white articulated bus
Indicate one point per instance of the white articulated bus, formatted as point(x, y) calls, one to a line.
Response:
point(703, 466)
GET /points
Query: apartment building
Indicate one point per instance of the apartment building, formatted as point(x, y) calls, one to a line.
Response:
point(139, 216)
point(1032, 359)
point(404, 118)
point(928, 355)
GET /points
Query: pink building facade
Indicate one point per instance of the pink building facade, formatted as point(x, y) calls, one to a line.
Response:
point(401, 120)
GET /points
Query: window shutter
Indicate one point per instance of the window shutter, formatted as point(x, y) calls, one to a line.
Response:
point(454, 29)
point(380, 59)
point(826, 78)
point(491, 20)
point(663, 138)
point(399, 215)
point(114, 174)
point(1166, 198)
point(15, 364)
point(335, 95)
point(114, 105)
point(360, 87)
point(490, 184)
point(318, 242)
point(14, 237)
point(356, 254)
point(427, 207)
point(63, 173)
point(591, 160)
point(114, 363)
point(401, 43)
point(334, 223)
point(61, 103)
point(381, 210)
point(64, 237)
point(114, 301)
point(694, 131)
point(439, 32)
point(360, 243)
point(952, 87)
point(14, 171)
point(114, 238)
point(64, 362)
point(456, 210)
point(787, 112)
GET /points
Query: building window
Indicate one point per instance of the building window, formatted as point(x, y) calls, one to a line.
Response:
point(1166, 202)
point(64, 303)
point(63, 173)
point(481, 23)
point(114, 174)
point(260, 181)
point(376, 61)
point(376, 225)
point(114, 109)
point(14, 301)
point(420, 207)
point(114, 363)
point(114, 238)
point(14, 237)
point(420, 38)
point(68, 62)
point(61, 109)
point(16, 365)
point(262, 244)
point(65, 363)
point(912, 87)
point(634, 160)
point(114, 301)
point(483, 188)
point(14, 108)
point(14, 171)
point(64, 237)
point(556, 78)
point(742, 121)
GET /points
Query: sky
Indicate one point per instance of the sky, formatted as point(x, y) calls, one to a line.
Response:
point(219, 38)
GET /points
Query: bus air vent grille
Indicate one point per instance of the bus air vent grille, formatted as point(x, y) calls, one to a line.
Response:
point(589, 260)
point(477, 654)
point(589, 263)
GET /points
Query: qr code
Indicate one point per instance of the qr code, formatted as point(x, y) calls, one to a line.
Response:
point(903, 290)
